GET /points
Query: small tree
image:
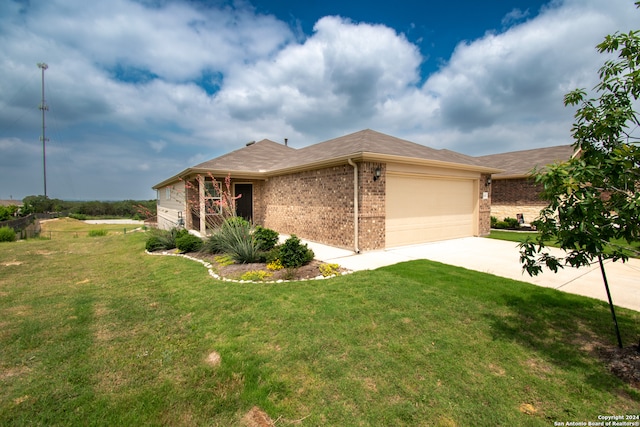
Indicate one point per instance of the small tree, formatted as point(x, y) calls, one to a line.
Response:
point(594, 198)
point(219, 201)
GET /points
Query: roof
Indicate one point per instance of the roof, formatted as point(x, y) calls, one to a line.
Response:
point(268, 158)
point(258, 156)
point(520, 164)
point(10, 202)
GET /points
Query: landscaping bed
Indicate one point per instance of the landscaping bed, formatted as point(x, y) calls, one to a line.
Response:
point(312, 270)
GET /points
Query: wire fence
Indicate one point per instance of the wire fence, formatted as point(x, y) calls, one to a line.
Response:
point(97, 232)
point(29, 227)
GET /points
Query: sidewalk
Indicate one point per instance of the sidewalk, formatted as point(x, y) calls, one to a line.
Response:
point(500, 258)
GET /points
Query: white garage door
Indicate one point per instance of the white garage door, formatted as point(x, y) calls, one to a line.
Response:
point(427, 209)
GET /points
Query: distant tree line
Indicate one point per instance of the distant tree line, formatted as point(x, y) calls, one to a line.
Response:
point(137, 209)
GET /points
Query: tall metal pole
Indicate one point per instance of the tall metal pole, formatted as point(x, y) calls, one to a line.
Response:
point(43, 138)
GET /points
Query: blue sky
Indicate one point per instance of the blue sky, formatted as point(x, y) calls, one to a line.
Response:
point(140, 90)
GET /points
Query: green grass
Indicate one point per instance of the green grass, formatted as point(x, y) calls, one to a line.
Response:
point(95, 332)
point(633, 250)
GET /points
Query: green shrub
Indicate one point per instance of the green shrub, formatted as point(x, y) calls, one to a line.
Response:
point(512, 223)
point(7, 234)
point(234, 237)
point(294, 254)
point(163, 239)
point(79, 217)
point(189, 243)
point(98, 233)
point(265, 238)
point(506, 224)
point(494, 222)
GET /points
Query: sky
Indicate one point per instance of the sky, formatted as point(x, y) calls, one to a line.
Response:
point(138, 91)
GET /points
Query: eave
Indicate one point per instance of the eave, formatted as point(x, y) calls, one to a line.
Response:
point(325, 163)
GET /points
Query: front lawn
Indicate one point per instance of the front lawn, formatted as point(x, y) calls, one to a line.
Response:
point(96, 332)
point(520, 236)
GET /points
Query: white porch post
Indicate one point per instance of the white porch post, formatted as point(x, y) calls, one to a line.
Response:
point(203, 207)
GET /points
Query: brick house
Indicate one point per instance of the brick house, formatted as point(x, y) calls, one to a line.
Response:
point(362, 191)
point(513, 191)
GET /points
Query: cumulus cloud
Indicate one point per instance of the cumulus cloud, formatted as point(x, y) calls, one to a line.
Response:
point(141, 90)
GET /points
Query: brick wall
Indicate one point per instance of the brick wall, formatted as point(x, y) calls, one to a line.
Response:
point(512, 191)
point(511, 197)
point(316, 205)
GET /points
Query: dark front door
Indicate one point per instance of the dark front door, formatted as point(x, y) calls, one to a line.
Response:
point(244, 205)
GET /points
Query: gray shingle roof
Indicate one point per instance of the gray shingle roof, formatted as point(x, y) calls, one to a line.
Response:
point(256, 157)
point(271, 157)
point(521, 163)
point(370, 141)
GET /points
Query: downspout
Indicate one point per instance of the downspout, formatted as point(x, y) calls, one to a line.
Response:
point(355, 206)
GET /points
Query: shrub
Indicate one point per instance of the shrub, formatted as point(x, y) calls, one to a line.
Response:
point(255, 275)
point(79, 217)
point(494, 222)
point(234, 237)
point(506, 224)
point(294, 254)
point(7, 234)
point(328, 270)
point(265, 238)
point(189, 243)
point(97, 233)
point(512, 223)
point(163, 239)
point(275, 265)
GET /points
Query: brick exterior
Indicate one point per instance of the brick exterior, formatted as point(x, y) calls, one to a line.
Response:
point(511, 197)
point(316, 205)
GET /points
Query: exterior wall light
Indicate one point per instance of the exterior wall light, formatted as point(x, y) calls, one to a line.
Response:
point(377, 173)
point(488, 182)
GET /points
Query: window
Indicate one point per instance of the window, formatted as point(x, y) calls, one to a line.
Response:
point(213, 199)
point(167, 193)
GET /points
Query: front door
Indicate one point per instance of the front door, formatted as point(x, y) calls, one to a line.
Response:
point(244, 205)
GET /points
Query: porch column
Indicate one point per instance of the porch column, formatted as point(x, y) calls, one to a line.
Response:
point(203, 207)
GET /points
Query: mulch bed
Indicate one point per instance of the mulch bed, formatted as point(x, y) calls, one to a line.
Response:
point(235, 271)
point(623, 363)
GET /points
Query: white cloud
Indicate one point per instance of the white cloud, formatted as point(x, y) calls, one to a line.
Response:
point(126, 90)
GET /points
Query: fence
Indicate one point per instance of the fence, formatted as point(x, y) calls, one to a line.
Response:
point(29, 226)
point(98, 232)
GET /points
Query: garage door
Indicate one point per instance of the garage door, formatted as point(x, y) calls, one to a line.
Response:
point(426, 209)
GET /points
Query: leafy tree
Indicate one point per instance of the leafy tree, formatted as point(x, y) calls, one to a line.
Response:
point(594, 198)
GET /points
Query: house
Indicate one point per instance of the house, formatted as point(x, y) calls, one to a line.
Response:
point(362, 191)
point(514, 193)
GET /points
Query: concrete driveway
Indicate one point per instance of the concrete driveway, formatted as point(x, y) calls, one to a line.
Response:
point(501, 258)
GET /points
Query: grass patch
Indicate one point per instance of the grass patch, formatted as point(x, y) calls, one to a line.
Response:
point(633, 250)
point(95, 332)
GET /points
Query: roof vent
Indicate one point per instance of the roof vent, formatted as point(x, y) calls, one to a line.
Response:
point(250, 143)
point(286, 142)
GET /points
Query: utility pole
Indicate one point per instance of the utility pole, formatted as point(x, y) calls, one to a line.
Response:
point(43, 106)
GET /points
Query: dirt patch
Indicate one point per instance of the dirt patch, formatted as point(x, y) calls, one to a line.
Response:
point(214, 359)
point(623, 363)
point(11, 263)
point(256, 417)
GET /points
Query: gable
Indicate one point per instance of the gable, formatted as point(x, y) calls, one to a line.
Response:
point(520, 164)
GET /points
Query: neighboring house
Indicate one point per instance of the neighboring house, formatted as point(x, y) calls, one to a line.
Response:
point(11, 202)
point(514, 192)
point(362, 191)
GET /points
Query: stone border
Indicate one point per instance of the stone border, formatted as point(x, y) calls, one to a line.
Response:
point(216, 276)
